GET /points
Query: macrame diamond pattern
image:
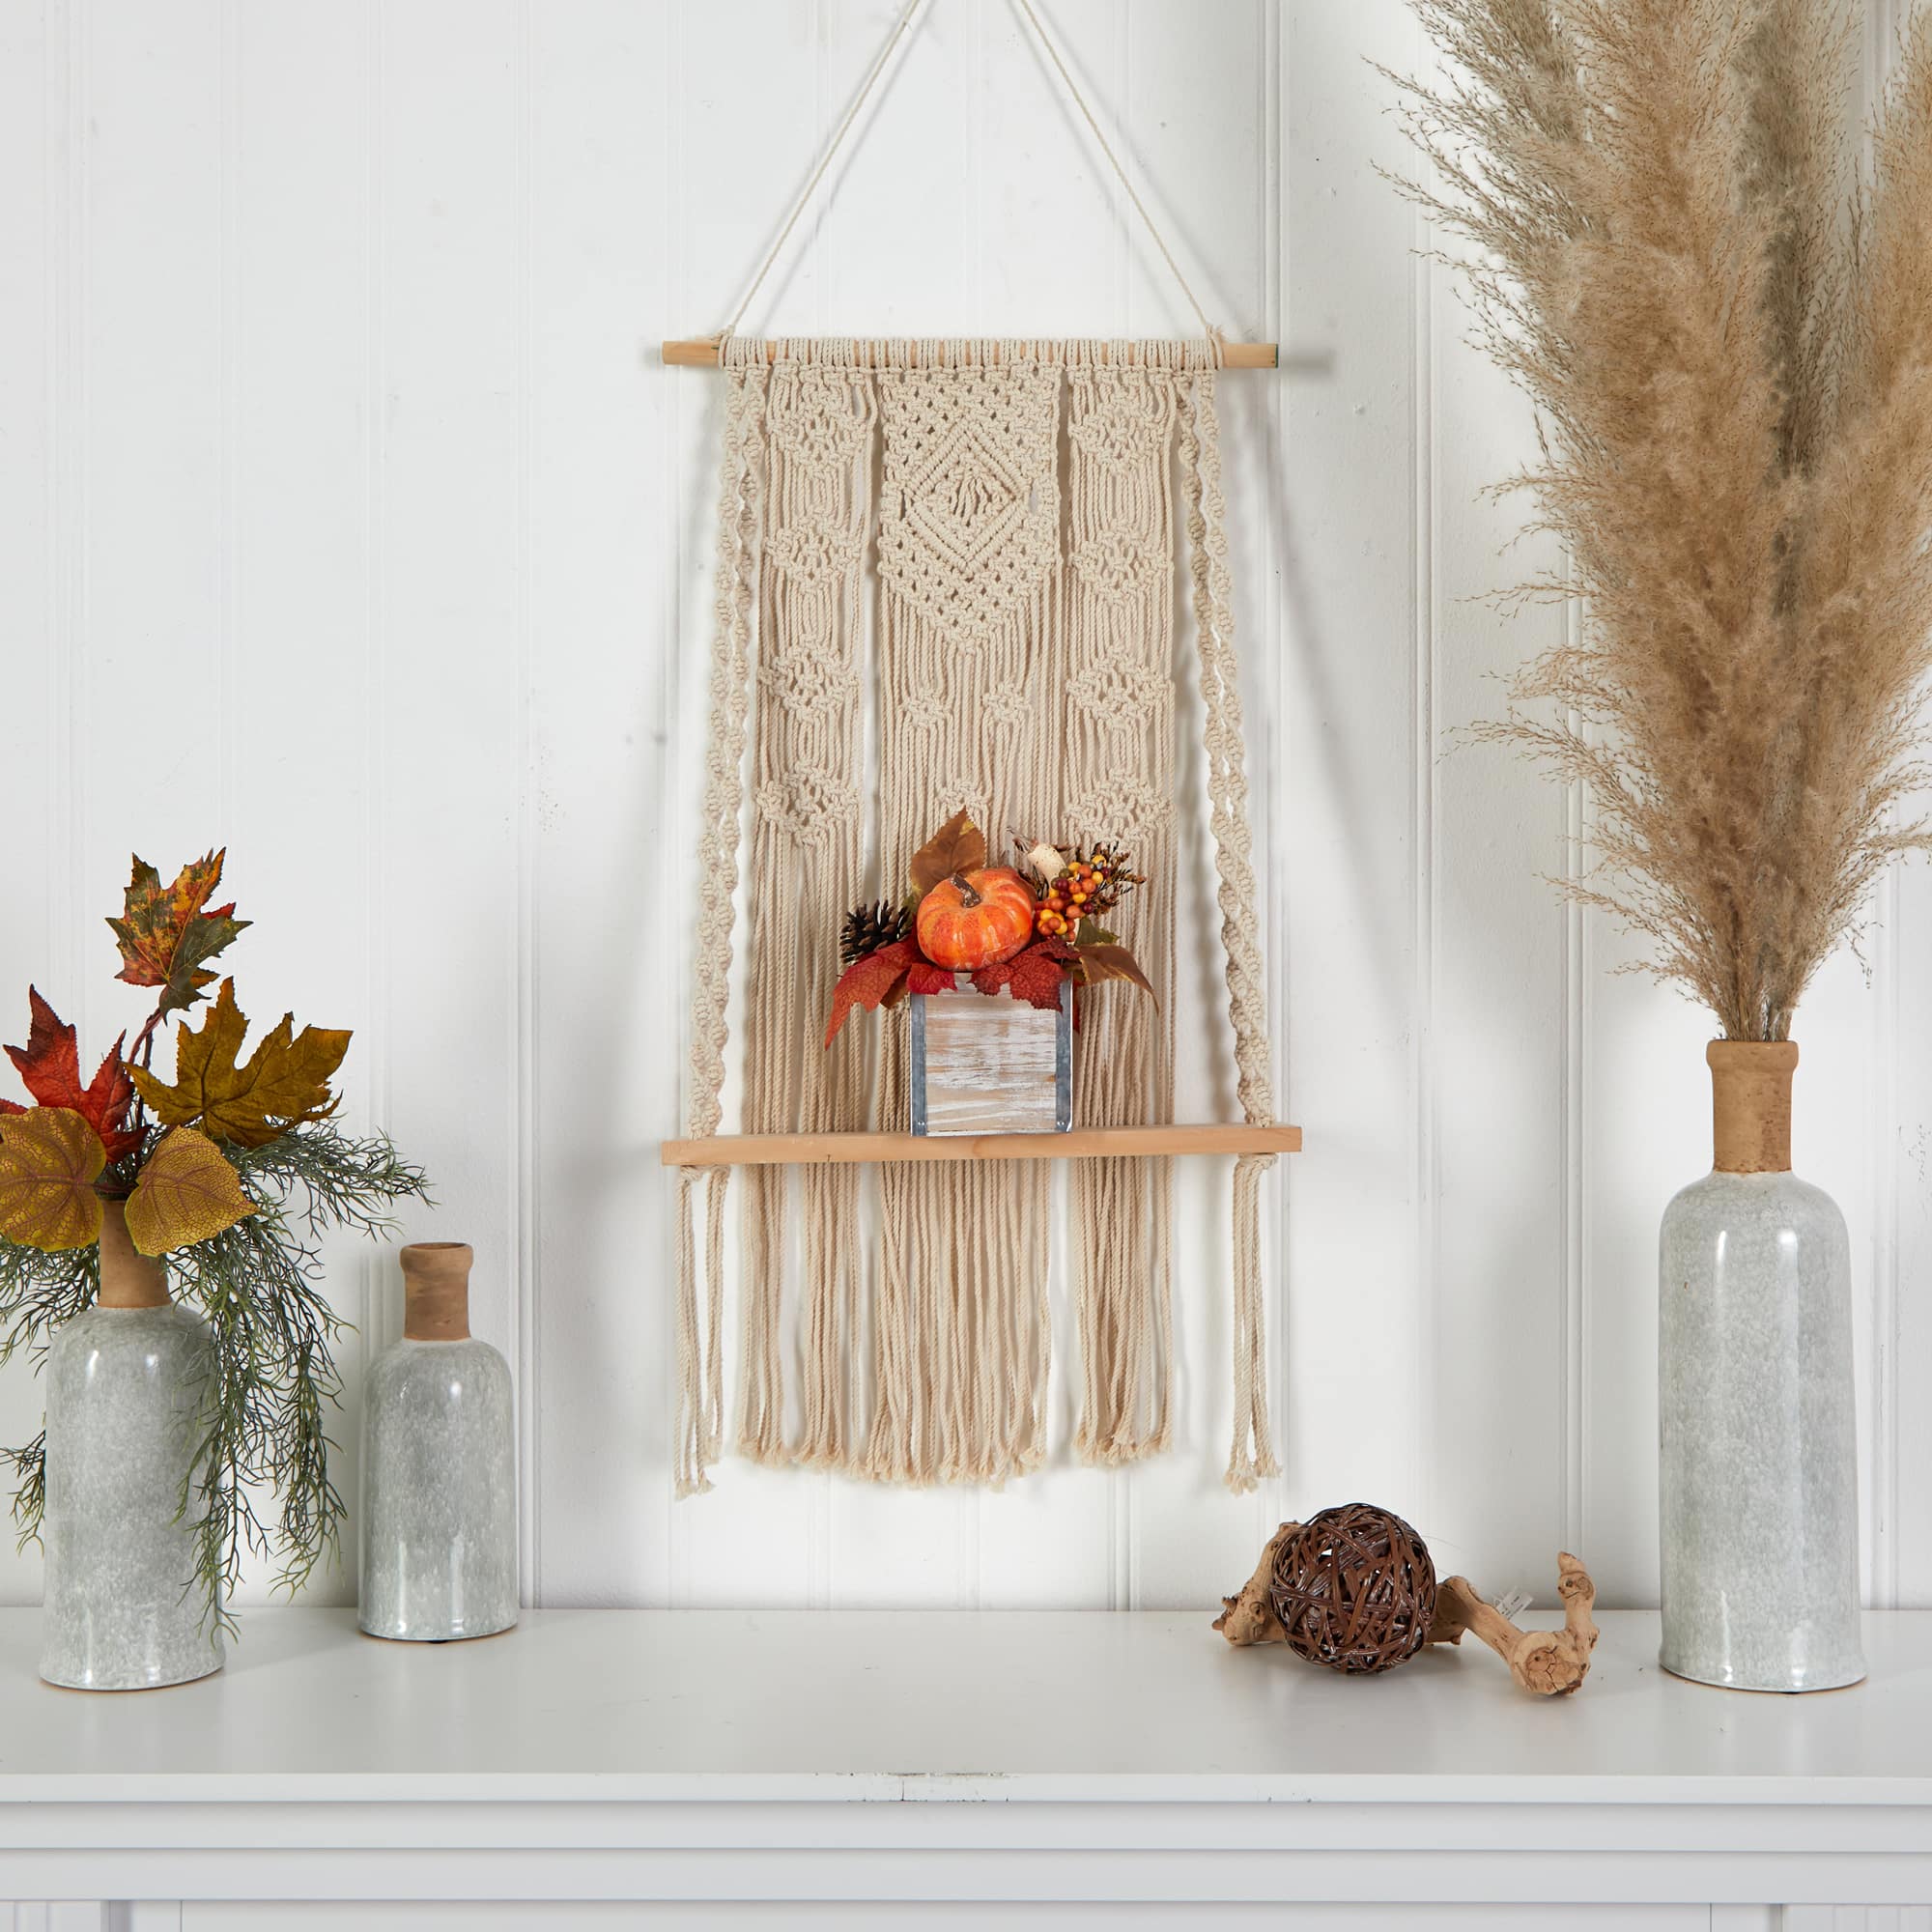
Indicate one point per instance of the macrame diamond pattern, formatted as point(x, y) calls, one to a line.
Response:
point(969, 513)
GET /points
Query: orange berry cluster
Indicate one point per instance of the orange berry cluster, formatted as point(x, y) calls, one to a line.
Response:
point(1090, 885)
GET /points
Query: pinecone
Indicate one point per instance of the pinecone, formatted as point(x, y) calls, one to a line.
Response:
point(867, 929)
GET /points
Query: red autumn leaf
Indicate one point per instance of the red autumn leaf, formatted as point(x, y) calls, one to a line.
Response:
point(990, 979)
point(924, 977)
point(957, 846)
point(49, 1066)
point(1037, 977)
point(870, 982)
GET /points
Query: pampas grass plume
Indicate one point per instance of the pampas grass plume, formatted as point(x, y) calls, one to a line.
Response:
point(1728, 337)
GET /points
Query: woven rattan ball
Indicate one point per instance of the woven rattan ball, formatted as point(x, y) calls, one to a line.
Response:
point(1355, 1589)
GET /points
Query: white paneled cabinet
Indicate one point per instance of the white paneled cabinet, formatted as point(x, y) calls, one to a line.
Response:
point(267, 1916)
point(868, 1763)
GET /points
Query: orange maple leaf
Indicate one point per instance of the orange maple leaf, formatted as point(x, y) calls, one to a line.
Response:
point(165, 935)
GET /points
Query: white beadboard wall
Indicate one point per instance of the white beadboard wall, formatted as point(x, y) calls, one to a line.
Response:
point(348, 519)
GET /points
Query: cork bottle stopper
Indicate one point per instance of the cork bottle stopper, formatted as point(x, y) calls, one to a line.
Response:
point(129, 1278)
point(1751, 1105)
point(436, 1290)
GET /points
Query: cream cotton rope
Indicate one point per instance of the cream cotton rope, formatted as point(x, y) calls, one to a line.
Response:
point(1016, 501)
point(865, 86)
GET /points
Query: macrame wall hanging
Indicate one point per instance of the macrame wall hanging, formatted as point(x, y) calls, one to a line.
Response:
point(969, 545)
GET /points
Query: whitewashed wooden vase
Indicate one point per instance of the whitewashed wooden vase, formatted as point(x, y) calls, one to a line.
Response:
point(128, 1384)
point(1758, 1478)
point(438, 1467)
point(989, 1063)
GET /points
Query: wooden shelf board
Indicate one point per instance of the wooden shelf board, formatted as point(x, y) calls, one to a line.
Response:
point(1081, 1144)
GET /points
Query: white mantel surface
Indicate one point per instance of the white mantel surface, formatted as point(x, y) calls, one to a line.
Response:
point(596, 1754)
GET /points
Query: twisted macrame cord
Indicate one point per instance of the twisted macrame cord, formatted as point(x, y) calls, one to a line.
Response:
point(844, 128)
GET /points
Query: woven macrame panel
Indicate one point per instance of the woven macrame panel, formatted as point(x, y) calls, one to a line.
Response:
point(1013, 649)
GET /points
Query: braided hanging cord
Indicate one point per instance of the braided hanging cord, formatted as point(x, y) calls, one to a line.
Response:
point(1251, 1455)
point(699, 1369)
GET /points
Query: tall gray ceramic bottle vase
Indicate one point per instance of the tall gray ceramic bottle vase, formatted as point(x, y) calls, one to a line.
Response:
point(1759, 1458)
point(127, 1383)
point(438, 1467)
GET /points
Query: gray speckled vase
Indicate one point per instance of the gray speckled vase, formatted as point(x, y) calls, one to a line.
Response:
point(125, 1385)
point(438, 1467)
point(1759, 1460)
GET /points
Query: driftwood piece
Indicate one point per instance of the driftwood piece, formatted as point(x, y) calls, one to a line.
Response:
point(1249, 1617)
point(1548, 1663)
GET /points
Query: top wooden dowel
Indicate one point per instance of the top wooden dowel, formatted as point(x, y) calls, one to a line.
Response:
point(705, 355)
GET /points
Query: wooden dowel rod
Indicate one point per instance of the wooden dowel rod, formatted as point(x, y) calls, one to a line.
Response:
point(705, 355)
point(1081, 1144)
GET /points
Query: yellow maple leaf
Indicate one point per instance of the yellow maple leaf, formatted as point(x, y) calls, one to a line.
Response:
point(283, 1083)
point(49, 1160)
point(187, 1192)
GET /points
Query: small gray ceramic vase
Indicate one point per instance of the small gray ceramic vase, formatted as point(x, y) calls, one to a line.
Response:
point(1758, 1476)
point(128, 1381)
point(438, 1467)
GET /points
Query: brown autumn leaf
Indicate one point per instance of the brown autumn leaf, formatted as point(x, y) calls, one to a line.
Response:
point(957, 846)
point(187, 1192)
point(1113, 962)
point(283, 1083)
point(49, 1160)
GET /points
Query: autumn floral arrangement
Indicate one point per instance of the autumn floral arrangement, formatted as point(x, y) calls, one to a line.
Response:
point(1026, 933)
point(229, 1173)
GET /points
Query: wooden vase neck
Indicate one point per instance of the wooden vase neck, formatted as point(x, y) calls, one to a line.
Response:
point(436, 1290)
point(129, 1278)
point(1750, 1105)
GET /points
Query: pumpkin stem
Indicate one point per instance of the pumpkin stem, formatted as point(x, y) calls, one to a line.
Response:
point(968, 897)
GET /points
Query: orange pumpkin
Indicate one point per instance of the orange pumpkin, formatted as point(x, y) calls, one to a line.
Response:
point(976, 918)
